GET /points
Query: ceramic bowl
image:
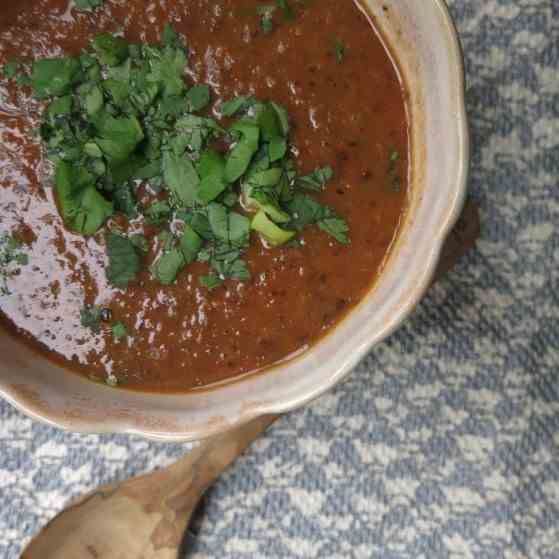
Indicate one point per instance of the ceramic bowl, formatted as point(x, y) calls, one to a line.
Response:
point(424, 41)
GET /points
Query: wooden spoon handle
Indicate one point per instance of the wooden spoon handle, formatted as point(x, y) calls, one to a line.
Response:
point(145, 516)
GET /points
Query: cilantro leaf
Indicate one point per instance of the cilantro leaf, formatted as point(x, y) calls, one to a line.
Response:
point(11, 258)
point(54, 77)
point(166, 268)
point(90, 317)
point(240, 157)
point(239, 229)
point(266, 14)
point(228, 227)
point(61, 107)
point(119, 137)
point(201, 224)
point(211, 168)
point(198, 97)
point(339, 51)
point(210, 281)
point(316, 180)
point(170, 37)
point(88, 5)
point(124, 260)
point(93, 101)
point(181, 178)
point(282, 116)
point(267, 118)
point(219, 221)
point(110, 50)
point(277, 148)
point(190, 244)
point(336, 227)
point(236, 105)
point(158, 213)
point(306, 211)
point(125, 201)
point(167, 68)
point(195, 131)
point(82, 207)
point(140, 242)
point(10, 69)
point(119, 330)
point(288, 12)
point(239, 270)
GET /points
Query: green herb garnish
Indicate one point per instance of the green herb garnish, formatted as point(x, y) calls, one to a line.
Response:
point(12, 258)
point(236, 105)
point(393, 174)
point(91, 317)
point(210, 281)
point(124, 260)
point(317, 180)
point(122, 113)
point(266, 14)
point(119, 330)
point(10, 69)
point(285, 7)
point(56, 76)
point(339, 51)
point(88, 5)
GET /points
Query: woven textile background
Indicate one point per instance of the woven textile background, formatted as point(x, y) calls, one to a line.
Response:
point(444, 443)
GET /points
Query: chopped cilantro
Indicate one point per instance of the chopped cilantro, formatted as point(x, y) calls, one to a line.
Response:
point(307, 211)
point(317, 180)
point(241, 155)
point(119, 330)
point(393, 174)
point(82, 206)
point(266, 14)
point(140, 242)
point(91, 317)
point(158, 213)
point(190, 244)
point(118, 137)
point(166, 268)
point(10, 70)
point(210, 281)
point(288, 12)
point(124, 260)
point(170, 37)
point(122, 113)
point(55, 76)
point(336, 227)
point(181, 178)
point(339, 51)
point(198, 97)
point(111, 50)
point(167, 67)
point(125, 201)
point(88, 5)
point(11, 258)
point(236, 105)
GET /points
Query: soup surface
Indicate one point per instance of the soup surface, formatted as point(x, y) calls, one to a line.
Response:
point(326, 65)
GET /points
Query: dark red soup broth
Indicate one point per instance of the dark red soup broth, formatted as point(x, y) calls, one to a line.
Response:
point(329, 67)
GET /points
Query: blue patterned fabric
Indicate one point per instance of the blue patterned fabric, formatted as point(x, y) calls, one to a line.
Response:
point(444, 443)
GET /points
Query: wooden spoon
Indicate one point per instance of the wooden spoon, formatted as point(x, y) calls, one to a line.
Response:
point(146, 517)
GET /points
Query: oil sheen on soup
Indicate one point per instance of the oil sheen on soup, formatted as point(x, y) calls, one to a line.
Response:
point(325, 64)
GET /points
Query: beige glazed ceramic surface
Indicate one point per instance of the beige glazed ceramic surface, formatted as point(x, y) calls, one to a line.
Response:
point(424, 41)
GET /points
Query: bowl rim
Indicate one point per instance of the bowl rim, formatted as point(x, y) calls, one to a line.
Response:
point(17, 396)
